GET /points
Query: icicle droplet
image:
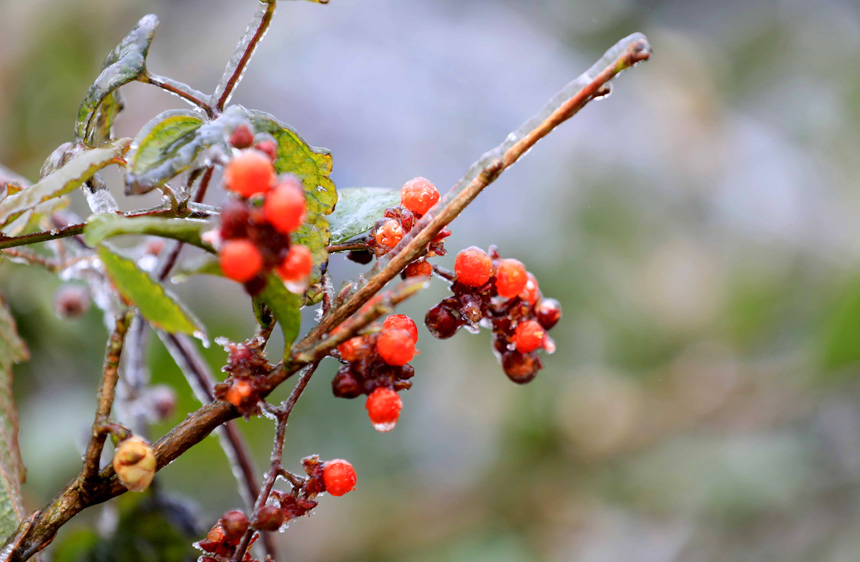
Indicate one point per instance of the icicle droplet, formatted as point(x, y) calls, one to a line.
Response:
point(204, 339)
point(473, 329)
point(384, 427)
point(549, 345)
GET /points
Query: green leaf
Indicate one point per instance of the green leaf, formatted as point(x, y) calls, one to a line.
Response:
point(839, 344)
point(123, 65)
point(102, 226)
point(12, 350)
point(201, 265)
point(154, 303)
point(312, 165)
point(105, 116)
point(284, 306)
point(315, 233)
point(79, 168)
point(358, 208)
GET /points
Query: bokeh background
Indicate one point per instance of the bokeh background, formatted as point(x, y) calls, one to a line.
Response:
point(699, 227)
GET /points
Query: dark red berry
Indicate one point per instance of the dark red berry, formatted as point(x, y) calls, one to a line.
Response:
point(240, 260)
point(339, 477)
point(235, 523)
point(529, 336)
point(473, 267)
point(419, 195)
point(396, 346)
point(442, 322)
point(403, 322)
point(269, 518)
point(250, 172)
point(383, 407)
point(71, 301)
point(344, 384)
point(521, 367)
point(531, 292)
point(511, 278)
point(235, 217)
point(360, 256)
point(242, 136)
point(548, 313)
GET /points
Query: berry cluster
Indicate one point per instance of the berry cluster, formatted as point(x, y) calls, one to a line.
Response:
point(247, 368)
point(255, 229)
point(377, 364)
point(417, 196)
point(336, 477)
point(501, 295)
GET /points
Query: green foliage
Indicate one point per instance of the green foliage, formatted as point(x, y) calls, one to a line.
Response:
point(155, 304)
point(123, 65)
point(103, 226)
point(839, 343)
point(12, 350)
point(284, 306)
point(358, 208)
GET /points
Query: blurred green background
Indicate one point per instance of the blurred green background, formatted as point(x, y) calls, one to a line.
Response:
point(699, 227)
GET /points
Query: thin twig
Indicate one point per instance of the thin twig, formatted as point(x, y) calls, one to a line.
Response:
point(347, 247)
point(184, 91)
point(107, 388)
point(31, 258)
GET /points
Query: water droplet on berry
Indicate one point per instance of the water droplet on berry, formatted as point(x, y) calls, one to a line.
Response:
point(472, 328)
point(384, 427)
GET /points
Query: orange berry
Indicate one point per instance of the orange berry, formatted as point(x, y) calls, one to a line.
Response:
point(383, 407)
point(240, 394)
point(285, 206)
point(419, 195)
point(354, 349)
point(250, 172)
point(240, 260)
point(473, 267)
point(402, 322)
point(531, 292)
point(396, 346)
point(297, 265)
point(339, 477)
point(419, 268)
point(511, 278)
point(389, 234)
point(529, 336)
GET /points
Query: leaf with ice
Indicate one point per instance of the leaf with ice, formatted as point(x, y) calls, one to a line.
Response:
point(284, 306)
point(358, 208)
point(102, 226)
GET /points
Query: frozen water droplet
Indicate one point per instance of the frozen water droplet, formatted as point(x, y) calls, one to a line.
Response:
point(473, 328)
point(384, 427)
point(549, 345)
point(202, 337)
point(101, 201)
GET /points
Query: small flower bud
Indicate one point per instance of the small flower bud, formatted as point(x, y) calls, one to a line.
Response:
point(134, 463)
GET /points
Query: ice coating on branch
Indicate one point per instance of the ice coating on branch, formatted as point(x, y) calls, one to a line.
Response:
point(100, 201)
point(236, 60)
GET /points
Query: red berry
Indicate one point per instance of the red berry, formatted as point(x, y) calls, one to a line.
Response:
point(418, 268)
point(240, 260)
point(339, 477)
point(529, 336)
point(354, 349)
point(442, 322)
point(269, 148)
point(285, 206)
point(419, 195)
point(235, 523)
point(345, 384)
point(250, 172)
point(383, 407)
point(269, 518)
point(396, 346)
point(71, 301)
point(389, 234)
point(473, 267)
point(531, 292)
point(521, 367)
point(402, 322)
point(548, 313)
point(297, 265)
point(241, 394)
point(511, 278)
point(242, 136)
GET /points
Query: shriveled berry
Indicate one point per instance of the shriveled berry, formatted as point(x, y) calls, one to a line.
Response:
point(419, 268)
point(242, 136)
point(402, 322)
point(383, 407)
point(396, 346)
point(297, 265)
point(269, 518)
point(240, 260)
point(339, 477)
point(529, 336)
point(389, 233)
point(548, 313)
point(442, 322)
point(419, 195)
point(235, 523)
point(235, 219)
point(521, 367)
point(250, 172)
point(269, 148)
point(473, 267)
point(360, 256)
point(285, 206)
point(354, 349)
point(511, 278)
point(531, 292)
point(344, 384)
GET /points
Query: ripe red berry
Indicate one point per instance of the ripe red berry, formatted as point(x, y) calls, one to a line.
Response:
point(240, 260)
point(297, 265)
point(339, 477)
point(396, 346)
point(354, 349)
point(418, 268)
point(473, 267)
point(383, 407)
point(235, 523)
point(250, 172)
point(402, 322)
point(528, 336)
point(511, 278)
point(389, 233)
point(242, 136)
point(269, 518)
point(419, 195)
point(548, 313)
point(531, 292)
point(285, 206)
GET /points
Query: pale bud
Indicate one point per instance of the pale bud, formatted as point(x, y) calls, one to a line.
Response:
point(134, 463)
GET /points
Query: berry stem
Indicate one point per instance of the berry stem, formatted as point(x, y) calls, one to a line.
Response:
point(444, 273)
